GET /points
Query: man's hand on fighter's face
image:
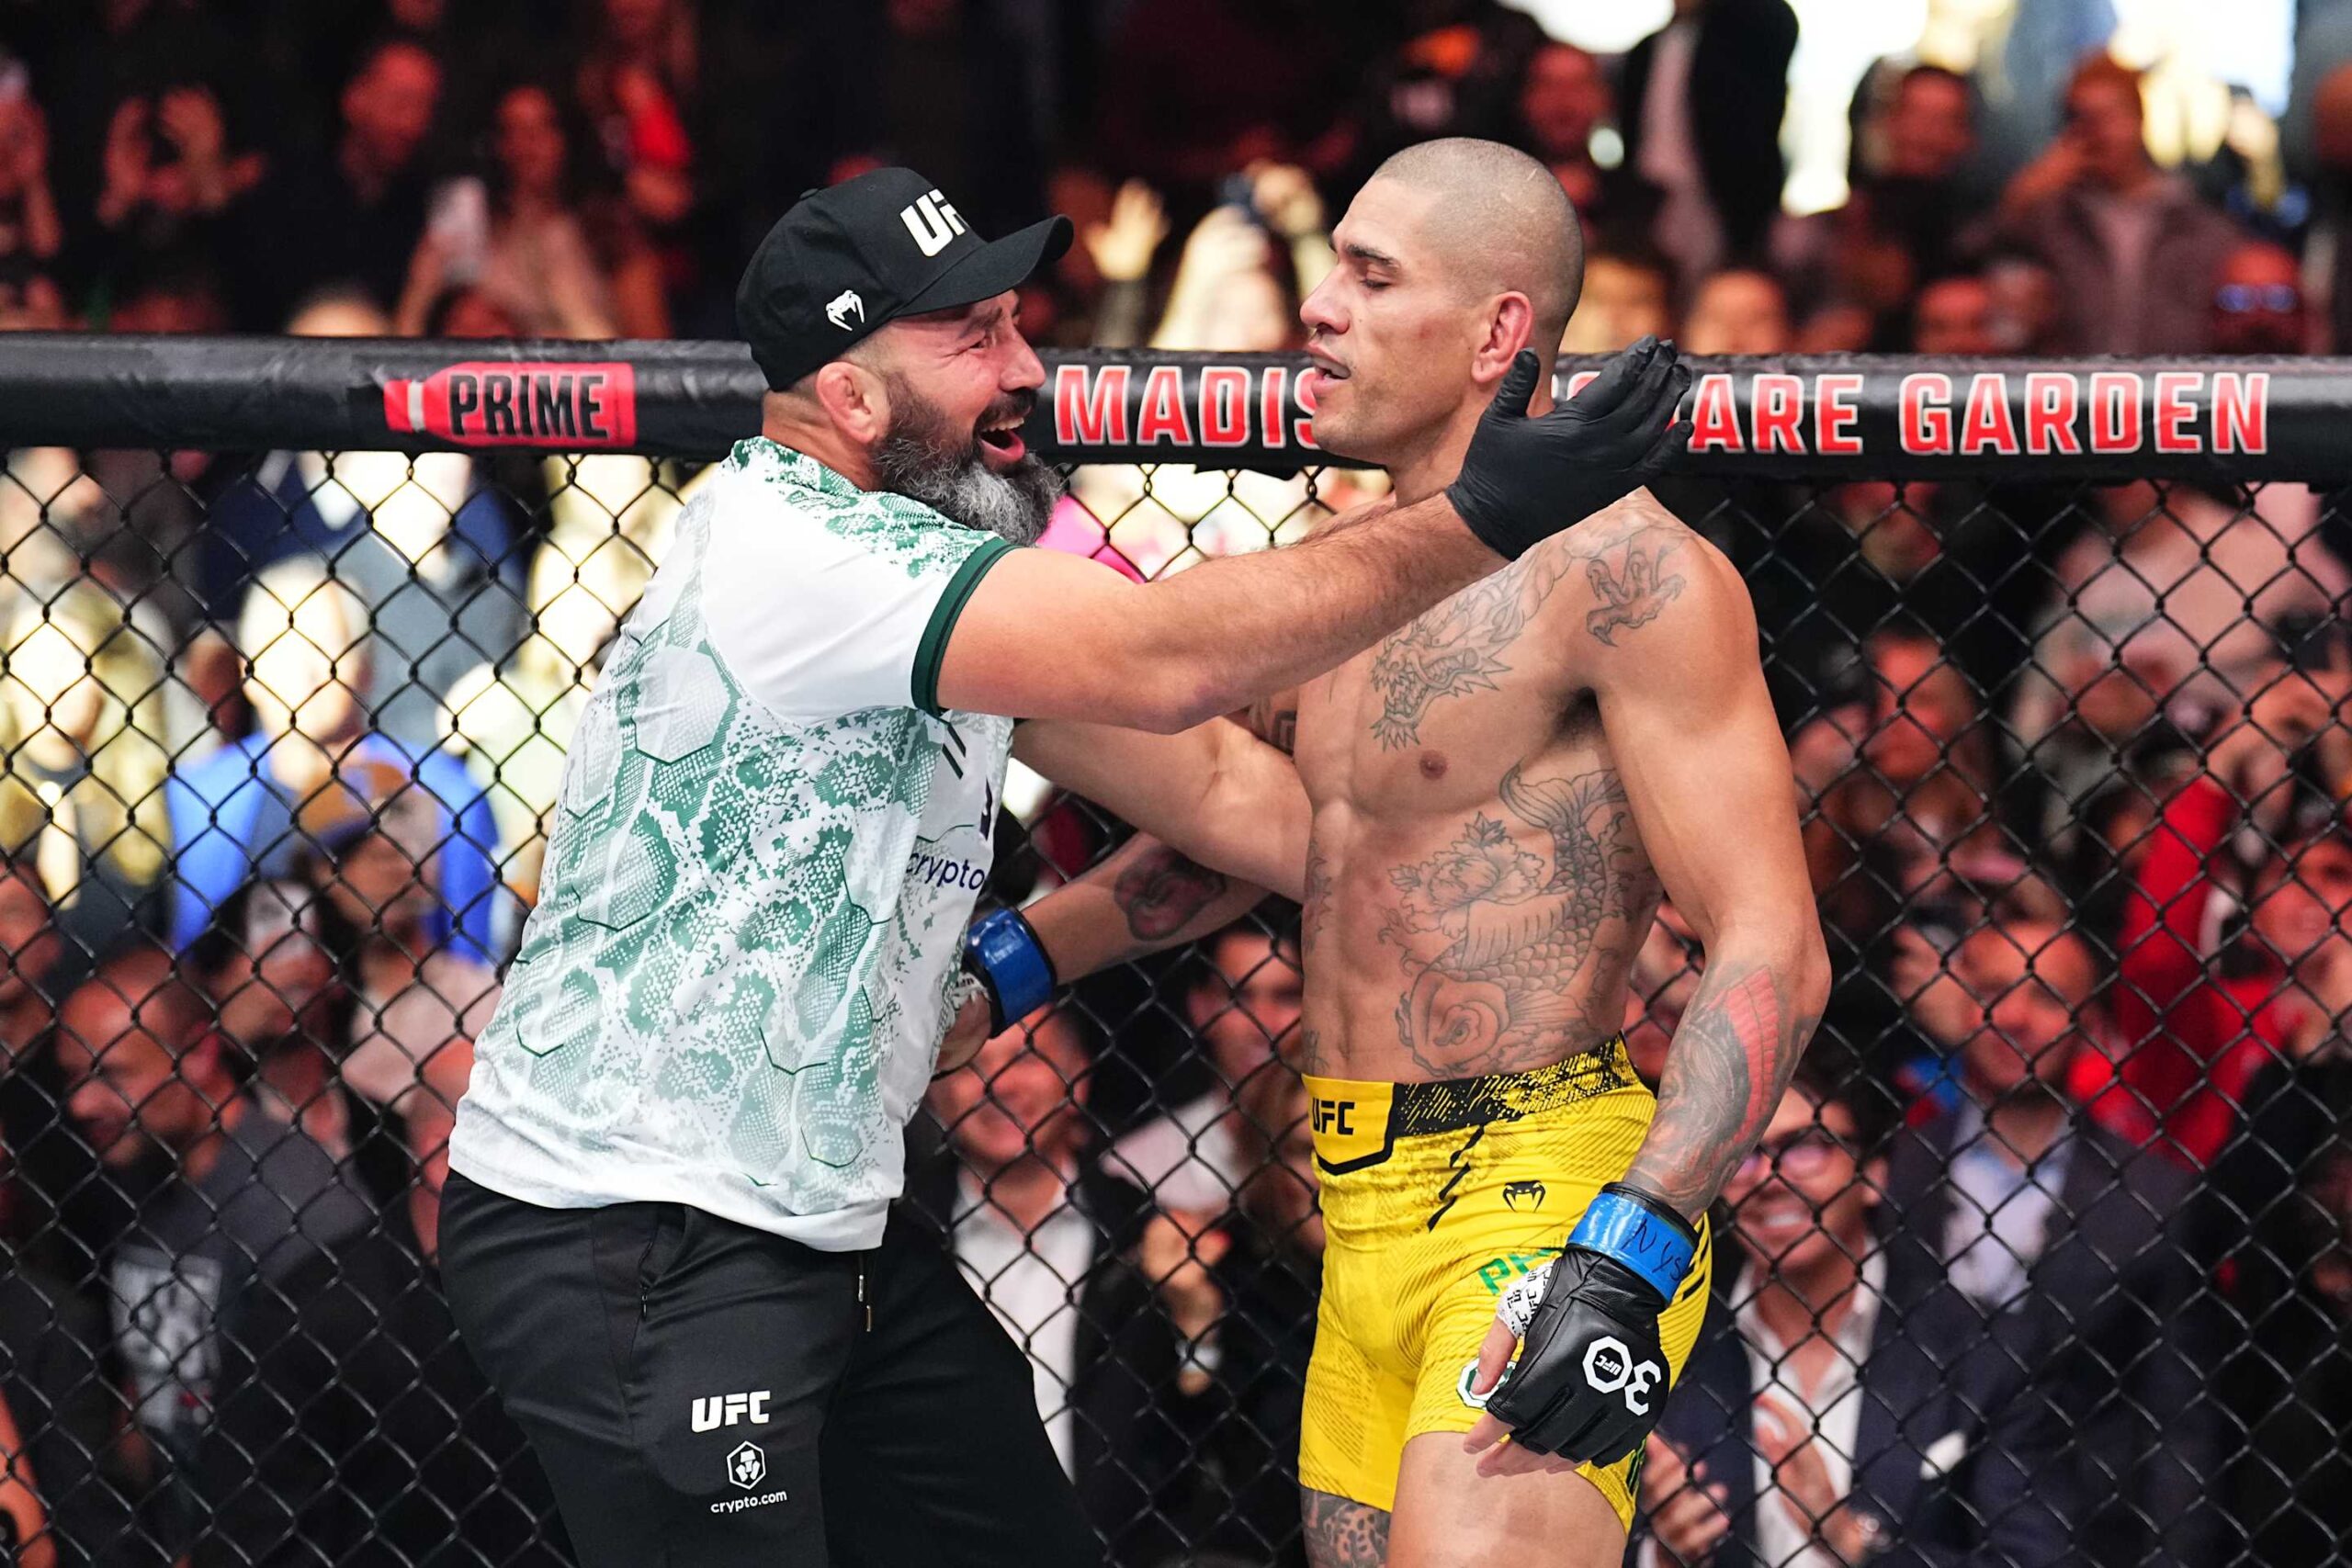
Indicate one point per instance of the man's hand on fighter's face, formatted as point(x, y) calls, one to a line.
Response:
point(1528, 476)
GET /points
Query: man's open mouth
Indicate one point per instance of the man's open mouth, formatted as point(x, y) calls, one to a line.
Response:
point(1000, 445)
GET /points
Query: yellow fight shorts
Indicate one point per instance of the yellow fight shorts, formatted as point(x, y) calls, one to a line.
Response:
point(1436, 1196)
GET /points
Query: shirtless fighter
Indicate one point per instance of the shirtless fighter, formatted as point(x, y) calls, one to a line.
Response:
point(1482, 812)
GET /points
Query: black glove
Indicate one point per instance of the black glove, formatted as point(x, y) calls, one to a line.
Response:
point(1524, 480)
point(1591, 1377)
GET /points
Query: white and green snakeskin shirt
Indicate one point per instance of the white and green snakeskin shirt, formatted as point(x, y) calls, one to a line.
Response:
point(766, 850)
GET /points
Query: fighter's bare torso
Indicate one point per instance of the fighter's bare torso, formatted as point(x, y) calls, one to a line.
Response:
point(1477, 888)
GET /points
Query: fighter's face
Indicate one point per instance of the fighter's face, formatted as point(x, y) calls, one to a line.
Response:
point(1391, 334)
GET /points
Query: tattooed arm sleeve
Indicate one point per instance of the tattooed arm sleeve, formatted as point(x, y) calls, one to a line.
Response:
point(1708, 782)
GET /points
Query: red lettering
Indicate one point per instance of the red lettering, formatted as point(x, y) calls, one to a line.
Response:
point(1780, 407)
point(1715, 417)
point(2175, 389)
point(1225, 406)
point(1987, 426)
point(2053, 399)
point(2241, 410)
point(1303, 431)
point(1091, 405)
point(1834, 414)
point(2115, 410)
point(1270, 406)
point(1925, 410)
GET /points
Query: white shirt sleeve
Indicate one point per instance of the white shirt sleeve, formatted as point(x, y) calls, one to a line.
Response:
point(816, 625)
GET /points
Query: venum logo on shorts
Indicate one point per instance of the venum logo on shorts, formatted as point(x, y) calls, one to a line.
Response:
point(1517, 1195)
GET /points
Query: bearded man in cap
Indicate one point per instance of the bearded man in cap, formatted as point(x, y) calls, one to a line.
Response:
point(667, 1233)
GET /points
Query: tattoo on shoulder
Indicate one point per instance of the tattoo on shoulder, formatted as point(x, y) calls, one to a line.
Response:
point(1343, 1534)
point(1162, 893)
point(1457, 649)
point(1642, 580)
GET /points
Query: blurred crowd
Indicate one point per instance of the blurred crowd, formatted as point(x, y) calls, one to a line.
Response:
point(2048, 1257)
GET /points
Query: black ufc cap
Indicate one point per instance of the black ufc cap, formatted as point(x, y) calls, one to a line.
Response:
point(848, 259)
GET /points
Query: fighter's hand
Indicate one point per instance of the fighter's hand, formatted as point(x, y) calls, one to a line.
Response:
point(1526, 478)
point(965, 1036)
point(1591, 1375)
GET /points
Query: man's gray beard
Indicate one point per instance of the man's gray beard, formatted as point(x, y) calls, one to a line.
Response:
point(920, 460)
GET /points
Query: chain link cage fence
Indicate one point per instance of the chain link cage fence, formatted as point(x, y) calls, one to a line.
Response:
point(2045, 1260)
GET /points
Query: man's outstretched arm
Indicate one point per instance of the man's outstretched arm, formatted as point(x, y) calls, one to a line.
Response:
point(1048, 635)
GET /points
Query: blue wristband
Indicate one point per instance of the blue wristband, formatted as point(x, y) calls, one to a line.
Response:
point(1641, 1234)
point(1018, 975)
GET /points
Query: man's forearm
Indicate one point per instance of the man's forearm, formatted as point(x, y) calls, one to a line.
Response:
point(1244, 626)
point(1139, 900)
point(1728, 1065)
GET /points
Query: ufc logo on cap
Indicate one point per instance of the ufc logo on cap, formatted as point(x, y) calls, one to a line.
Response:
point(933, 221)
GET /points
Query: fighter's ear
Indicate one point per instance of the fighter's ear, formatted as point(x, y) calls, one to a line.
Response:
point(1509, 326)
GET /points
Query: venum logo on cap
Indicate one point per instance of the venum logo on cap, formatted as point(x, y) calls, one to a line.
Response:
point(847, 311)
point(933, 220)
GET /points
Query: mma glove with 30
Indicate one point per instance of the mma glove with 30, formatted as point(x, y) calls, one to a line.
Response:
point(1526, 478)
point(1591, 1376)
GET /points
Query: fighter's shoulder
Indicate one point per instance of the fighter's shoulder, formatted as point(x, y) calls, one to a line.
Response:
point(1634, 573)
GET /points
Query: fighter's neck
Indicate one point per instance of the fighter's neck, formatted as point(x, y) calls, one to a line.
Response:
point(1419, 471)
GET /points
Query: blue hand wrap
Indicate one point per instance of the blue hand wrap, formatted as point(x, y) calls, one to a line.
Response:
point(1641, 1233)
point(1006, 951)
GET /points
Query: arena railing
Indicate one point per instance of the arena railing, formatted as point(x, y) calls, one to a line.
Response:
point(2058, 648)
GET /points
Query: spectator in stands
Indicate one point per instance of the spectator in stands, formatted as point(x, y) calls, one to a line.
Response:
point(1628, 295)
point(1954, 318)
point(415, 998)
point(351, 1426)
point(348, 215)
point(1044, 1237)
point(271, 965)
point(56, 1406)
point(1244, 1005)
point(2210, 996)
point(1833, 1409)
point(2164, 612)
point(1907, 213)
point(1739, 310)
point(2285, 1192)
point(245, 808)
point(2032, 1208)
point(512, 722)
point(170, 171)
point(1564, 99)
point(2259, 303)
point(233, 1199)
point(30, 233)
point(2133, 248)
point(86, 749)
point(636, 82)
point(531, 240)
point(1452, 69)
point(427, 548)
point(1703, 99)
point(1194, 89)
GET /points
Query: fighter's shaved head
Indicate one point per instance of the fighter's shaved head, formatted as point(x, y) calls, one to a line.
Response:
point(1502, 222)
